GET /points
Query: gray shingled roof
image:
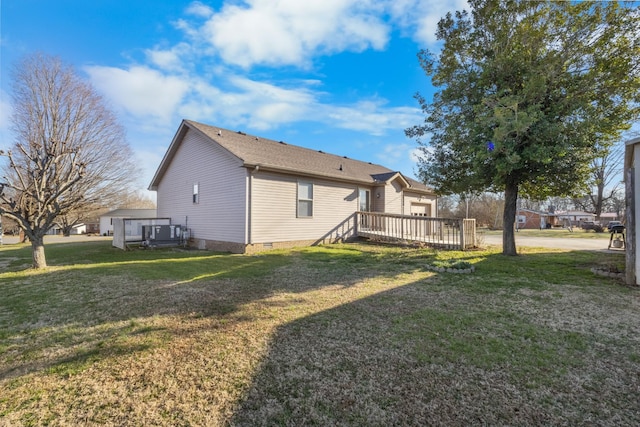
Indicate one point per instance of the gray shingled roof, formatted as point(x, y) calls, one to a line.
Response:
point(131, 213)
point(280, 156)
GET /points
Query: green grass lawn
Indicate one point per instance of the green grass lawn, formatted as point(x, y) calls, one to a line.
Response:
point(352, 334)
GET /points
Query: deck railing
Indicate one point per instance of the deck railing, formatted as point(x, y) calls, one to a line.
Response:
point(449, 233)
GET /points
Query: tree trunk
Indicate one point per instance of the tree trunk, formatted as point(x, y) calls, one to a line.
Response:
point(599, 201)
point(509, 219)
point(37, 246)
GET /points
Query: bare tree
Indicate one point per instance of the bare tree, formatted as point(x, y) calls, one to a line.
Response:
point(69, 150)
point(605, 180)
point(137, 200)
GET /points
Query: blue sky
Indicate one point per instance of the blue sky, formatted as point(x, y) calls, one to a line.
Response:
point(332, 75)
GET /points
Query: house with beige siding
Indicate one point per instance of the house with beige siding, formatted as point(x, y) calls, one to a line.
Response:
point(243, 193)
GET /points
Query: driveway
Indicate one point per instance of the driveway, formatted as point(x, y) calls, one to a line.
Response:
point(552, 242)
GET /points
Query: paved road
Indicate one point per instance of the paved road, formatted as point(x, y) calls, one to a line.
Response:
point(552, 242)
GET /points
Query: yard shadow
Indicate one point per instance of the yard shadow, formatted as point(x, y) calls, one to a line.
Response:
point(343, 232)
point(95, 303)
point(449, 349)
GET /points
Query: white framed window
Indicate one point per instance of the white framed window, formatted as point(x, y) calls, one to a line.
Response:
point(364, 200)
point(196, 193)
point(305, 199)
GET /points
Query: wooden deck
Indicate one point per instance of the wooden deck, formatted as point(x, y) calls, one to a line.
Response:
point(447, 233)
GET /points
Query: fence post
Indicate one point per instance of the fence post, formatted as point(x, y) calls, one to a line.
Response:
point(462, 234)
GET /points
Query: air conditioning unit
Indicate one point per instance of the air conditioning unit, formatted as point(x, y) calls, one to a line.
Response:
point(165, 235)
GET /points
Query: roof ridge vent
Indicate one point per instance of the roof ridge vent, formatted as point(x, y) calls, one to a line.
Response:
point(283, 143)
point(241, 133)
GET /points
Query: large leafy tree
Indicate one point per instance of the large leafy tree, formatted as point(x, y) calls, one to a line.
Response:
point(69, 152)
point(527, 94)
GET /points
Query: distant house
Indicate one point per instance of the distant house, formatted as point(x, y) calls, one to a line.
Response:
point(572, 218)
point(531, 219)
point(75, 230)
point(242, 193)
point(607, 217)
point(106, 219)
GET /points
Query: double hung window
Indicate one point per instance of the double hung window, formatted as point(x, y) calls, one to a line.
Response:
point(305, 199)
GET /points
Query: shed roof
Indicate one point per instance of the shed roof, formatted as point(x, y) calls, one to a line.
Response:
point(130, 213)
point(267, 154)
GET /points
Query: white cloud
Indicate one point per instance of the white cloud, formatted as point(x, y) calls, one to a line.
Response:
point(248, 103)
point(372, 117)
point(153, 97)
point(420, 18)
point(416, 155)
point(199, 9)
point(7, 136)
point(291, 32)
point(5, 111)
point(188, 80)
point(170, 59)
point(139, 90)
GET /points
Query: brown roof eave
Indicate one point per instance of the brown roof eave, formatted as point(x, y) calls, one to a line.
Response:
point(291, 171)
point(168, 156)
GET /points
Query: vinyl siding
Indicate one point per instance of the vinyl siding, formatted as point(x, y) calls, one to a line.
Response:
point(377, 199)
point(393, 198)
point(220, 213)
point(274, 209)
point(410, 198)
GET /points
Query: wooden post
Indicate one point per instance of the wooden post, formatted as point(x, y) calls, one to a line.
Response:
point(630, 214)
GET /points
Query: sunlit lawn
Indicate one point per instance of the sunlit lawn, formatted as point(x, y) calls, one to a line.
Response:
point(340, 335)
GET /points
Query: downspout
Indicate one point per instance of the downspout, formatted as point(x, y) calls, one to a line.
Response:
point(250, 206)
point(631, 244)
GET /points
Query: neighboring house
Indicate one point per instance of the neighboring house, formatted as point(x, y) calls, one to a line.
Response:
point(106, 219)
point(632, 214)
point(573, 218)
point(240, 193)
point(75, 230)
point(531, 219)
point(607, 217)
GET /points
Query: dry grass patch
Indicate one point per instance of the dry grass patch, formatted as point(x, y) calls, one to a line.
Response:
point(340, 335)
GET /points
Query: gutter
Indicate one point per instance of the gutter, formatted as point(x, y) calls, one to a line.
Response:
point(292, 171)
